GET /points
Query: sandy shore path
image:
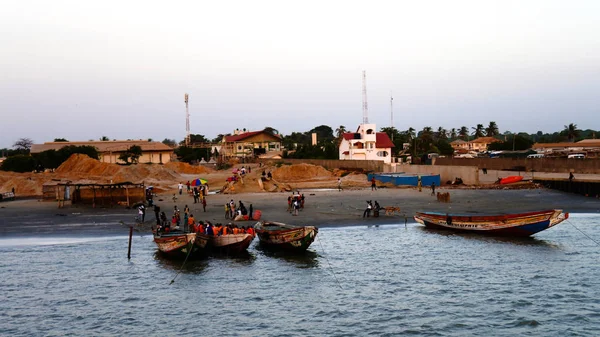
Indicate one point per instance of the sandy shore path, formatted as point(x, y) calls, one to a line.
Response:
point(322, 208)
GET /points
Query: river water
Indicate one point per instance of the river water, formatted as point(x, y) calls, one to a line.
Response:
point(354, 281)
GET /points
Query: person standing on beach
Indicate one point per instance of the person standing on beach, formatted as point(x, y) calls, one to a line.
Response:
point(373, 184)
point(419, 183)
point(188, 186)
point(367, 211)
point(180, 186)
point(250, 211)
point(156, 213)
point(571, 176)
point(204, 203)
point(339, 184)
point(432, 188)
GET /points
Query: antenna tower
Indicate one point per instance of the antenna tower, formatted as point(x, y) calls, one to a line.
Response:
point(392, 113)
point(187, 121)
point(364, 97)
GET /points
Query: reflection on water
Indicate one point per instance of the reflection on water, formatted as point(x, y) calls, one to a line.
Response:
point(520, 241)
point(305, 259)
point(192, 266)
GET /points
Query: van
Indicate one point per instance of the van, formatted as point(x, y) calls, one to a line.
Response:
point(576, 156)
point(536, 155)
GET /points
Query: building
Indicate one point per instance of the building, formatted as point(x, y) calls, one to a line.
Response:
point(250, 144)
point(588, 147)
point(477, 145)
point(109, 151)
point(366, 144)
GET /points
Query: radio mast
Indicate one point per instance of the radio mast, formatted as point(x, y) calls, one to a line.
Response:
point(392, 113)
point(364, 97)
point(187, 121)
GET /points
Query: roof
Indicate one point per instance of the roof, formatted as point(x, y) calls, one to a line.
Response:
point(381, 139)
point(458, 141)
point(237, 138)
point(588, 144)
point(104, 146)
point(485, 140)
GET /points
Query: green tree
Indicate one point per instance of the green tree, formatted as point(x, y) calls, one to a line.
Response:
point(442, 133)
point(492, 130)
point(463, 133)
point(271, 130)
point(478, 131)
point(104, 139)
point(19, 163)
point(133, 153)
point(453, 134)
point(571, 132)
point(23, 145)
point(169, 142)
point(60, 140)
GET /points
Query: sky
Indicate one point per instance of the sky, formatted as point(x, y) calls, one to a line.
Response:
point(81, 70)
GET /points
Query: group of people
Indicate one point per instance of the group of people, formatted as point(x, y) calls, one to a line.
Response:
point(295, 203)
point(238, 212)
point(375, 207)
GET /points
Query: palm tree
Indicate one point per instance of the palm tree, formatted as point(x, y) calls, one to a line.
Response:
point(453, 134)
point(571, 132)
point(463, 133)
point(442, 133)
point(340, 131)
point(478, 131)
point(410, 133)
point(492, 130)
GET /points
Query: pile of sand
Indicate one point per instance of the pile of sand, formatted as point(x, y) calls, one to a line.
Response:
point(301, 172)
point(185, 168)
point(80, 164)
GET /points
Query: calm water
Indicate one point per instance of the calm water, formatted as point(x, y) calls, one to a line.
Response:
point(387, 280)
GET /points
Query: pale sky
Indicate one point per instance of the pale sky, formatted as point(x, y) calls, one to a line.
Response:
point(83, 69)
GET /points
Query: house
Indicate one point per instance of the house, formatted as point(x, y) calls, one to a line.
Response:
point(109, 151)
point(250, 144)
point(366, 144)
point(478, 145)
point(590, 147)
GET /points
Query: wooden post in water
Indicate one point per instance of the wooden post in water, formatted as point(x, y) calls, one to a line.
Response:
point(130, 236)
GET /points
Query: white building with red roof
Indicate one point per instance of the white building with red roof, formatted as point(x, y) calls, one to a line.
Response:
point(366, 144)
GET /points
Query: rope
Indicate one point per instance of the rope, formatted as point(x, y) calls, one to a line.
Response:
point(596, 242)
point(330, 267)
point(184, 261)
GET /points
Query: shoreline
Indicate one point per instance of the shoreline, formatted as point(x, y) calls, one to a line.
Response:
point(329, 208)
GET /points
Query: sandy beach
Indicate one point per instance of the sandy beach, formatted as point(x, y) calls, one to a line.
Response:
point(322, 208)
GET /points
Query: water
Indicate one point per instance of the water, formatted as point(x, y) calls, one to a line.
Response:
point(354, 281)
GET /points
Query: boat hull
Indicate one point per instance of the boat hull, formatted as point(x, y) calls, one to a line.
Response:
point(230, 244)
point(515, 225)
point(176, 245)
point(278, 236)
point(511, 180)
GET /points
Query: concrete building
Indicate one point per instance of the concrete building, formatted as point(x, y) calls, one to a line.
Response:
point(366, 144)
point(477, 145)
point(250, 144)
point(588, 147)
point(109, 151)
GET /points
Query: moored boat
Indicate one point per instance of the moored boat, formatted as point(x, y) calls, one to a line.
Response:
point(176, 244)
point(519, 224)
point(280, 236)
point(511, 180)
point(230, 243)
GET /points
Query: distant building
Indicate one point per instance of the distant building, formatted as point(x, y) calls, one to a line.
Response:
point(366, 144)
point(478, 145)
point(109, 151)
point(590, 147)
point(250, 144)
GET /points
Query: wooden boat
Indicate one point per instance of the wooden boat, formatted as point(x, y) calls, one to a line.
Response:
point(176, 244)
point(521, 224)
point(510, 180)
point(230, 243)
point(280, 236)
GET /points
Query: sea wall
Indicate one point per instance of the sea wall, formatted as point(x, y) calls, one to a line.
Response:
point(468, 174)
point(557, 165)
point(366, 165)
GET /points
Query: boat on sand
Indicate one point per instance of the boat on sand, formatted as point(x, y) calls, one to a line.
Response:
point(516, 225)
point(280, 236)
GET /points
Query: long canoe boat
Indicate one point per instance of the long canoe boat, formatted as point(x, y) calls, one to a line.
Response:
point(280, 236)
point(177, 245)
point(230, 243)
point(520, 224)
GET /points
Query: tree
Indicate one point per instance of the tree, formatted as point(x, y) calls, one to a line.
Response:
point(18, 163)
point(492, 130)
point(134, 153)
point(169, 142)
point(453, 134)
point(271, 130)
point(410, 133)
point(339, 132)
point(442, 133)
point(478, 131)
point(397, 137)
point(104, 139)
point(23, 145)
point(324, 134)
point(219, 138)
point(463, 133)
point(60, 140)
point(571, 132)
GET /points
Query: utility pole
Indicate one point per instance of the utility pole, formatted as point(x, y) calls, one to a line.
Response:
point(392, 113)
point(187, 121)
point(364, 97)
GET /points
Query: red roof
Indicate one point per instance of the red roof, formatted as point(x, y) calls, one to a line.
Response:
point(382, 140)
point(346, 152)
point(237, 138)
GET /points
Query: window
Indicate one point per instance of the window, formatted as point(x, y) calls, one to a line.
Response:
point(239, 148)
point(382, 153)
point(370, 132)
